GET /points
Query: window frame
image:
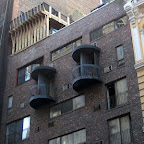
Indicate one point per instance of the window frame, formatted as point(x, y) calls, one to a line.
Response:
point(119, 119)
point(108, 96)
point(16, 129)
point(36, 62)
point(9, 109)
point(61, 105)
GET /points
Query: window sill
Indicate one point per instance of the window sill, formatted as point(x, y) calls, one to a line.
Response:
point(117, 107)
point(23, 82)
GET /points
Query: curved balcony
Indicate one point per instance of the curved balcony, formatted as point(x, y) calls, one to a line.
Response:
point(44, 70)
point(85, 75)
point(88, 49)
point(41, 95)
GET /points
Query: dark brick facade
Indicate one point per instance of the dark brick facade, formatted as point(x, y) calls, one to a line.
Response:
point(95, 122)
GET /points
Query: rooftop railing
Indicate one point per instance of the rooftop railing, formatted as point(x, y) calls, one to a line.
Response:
point(27, 15)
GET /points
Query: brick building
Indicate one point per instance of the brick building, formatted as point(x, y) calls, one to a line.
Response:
point(74, 84)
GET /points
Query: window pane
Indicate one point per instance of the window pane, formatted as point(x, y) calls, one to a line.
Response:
point(78, 102)
point(68, 139)
point(21, 76)
point(55, 111)
point(27, 73)
point(114, 126)
point(80, 136)
point(18, 132)
point(120, 53)
point(10, 99)
point(67, 106)
point(10, 133)
point(125, 129)
point(121, 91)
point(108, 28)
point(55, 141)
point(26, 128)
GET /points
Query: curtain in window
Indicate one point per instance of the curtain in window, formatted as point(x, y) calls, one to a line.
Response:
point(125, 129)
point(55, 111)
point(80, 136)
point(55, 141)
point(121, 91)
point(26, 128)
point(115, 137)
point(78, 102)
point(68, 139)
point(27, 72)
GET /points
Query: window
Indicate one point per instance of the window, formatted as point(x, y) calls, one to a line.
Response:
point(117, 93)
point(73, 138)
point(67, 106)
point(18, 130)
point(120, 55)
point(106, 29)
point(24, 73)
point(120, 130)
point(10, 100)
point(66, 49)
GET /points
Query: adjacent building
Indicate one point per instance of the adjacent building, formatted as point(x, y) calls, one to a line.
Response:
point(135, 12)
point(72, 82)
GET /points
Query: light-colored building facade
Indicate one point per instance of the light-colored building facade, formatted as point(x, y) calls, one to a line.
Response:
point(135, 12)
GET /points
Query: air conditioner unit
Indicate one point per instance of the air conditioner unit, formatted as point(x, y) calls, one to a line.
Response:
point(108, 69)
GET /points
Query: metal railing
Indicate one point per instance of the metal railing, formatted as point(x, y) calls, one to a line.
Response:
point(25, 16)
point(123, 137)
point(86, 71)
point(42, 89)
point(116, 100)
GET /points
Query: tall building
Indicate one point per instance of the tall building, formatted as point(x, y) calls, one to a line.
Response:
point(5, 17)
point(135, 12)
point(71, 83)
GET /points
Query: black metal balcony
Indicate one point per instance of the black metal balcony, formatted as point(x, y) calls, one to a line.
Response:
point(41, 95)
point(85, 75)
point(47, 71)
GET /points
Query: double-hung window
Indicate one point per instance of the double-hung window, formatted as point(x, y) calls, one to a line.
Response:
point(117, 93)
point(24, 73)
point(67, 106)
point(120, 130)
point(120, 55)
point(18, 130)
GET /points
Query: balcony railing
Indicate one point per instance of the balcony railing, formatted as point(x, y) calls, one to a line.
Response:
point(123, 137)
point(27, 15)
point(43, 90)
point(86, 71)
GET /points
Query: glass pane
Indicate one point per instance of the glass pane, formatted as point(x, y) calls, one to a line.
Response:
point(10, 99)
point(108, 28)
point(55, 141)
point(114, 126)
point(67, 106)
point(80, 136)
point(27, 73)
point(21, 76)
point(55, 111)
point(120, 53)
point(78, 42)
point(78, 102)
point(125, 129)
point(56, 54)
point(18, 134)
point(121, 91)
point(26, 127)
point(68, 139)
